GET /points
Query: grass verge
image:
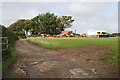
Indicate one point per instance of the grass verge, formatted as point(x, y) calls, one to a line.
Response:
point(7, 62)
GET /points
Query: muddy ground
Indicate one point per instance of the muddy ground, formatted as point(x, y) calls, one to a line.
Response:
point(37, 62)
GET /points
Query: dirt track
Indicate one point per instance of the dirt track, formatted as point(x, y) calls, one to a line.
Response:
point(36, 62)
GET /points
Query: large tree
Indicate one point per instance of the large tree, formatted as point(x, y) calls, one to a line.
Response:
point(49, 23)
point(43, 23)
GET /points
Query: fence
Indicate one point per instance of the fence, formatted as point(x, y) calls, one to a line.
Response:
point(3, 43)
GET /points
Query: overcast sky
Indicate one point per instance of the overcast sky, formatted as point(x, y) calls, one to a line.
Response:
point(87, 15)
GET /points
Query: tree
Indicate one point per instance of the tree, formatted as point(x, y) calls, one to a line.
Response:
point(65, 22)
point(115, 34)
point(49, 23)
point(43, 23)
point(19, 26)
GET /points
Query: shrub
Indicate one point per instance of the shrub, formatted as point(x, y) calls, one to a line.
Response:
point(11, 39)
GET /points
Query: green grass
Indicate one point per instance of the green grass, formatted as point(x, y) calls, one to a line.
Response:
point(7, 62)
point(76, 42)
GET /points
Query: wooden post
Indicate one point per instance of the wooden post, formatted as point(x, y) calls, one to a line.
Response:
point(7, 43)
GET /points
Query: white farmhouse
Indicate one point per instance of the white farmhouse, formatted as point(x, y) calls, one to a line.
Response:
point(98, 33)
point(28, 33)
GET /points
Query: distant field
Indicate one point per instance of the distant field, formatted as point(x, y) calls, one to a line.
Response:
point(76, 42)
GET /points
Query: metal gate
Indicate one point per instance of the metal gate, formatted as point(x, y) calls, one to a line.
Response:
point(3, 42)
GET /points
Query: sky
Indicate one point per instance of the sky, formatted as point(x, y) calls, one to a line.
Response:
point(87, 15)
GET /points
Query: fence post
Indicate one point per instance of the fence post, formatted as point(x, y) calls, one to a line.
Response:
point(7, 43)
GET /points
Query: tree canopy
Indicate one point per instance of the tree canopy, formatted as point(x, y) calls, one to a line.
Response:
point(19, 26)
point(47, 23)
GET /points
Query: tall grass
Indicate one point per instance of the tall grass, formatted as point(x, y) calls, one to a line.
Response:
point(8, 61)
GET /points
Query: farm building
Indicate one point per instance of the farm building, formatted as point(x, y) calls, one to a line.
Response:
point(28, 33)
point(67, 33)
point(98, 33)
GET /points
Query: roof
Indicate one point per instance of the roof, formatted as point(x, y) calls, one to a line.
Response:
point(97, 31)
point(66, 31)
point(94, 32)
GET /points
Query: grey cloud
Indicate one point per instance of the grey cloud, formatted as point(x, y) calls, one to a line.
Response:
point(94, 16)
point(12, 11)
point(87, 16)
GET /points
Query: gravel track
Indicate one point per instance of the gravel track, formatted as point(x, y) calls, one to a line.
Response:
point(37, 62)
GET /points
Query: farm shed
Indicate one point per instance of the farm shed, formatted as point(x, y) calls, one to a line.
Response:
point(67, 33)
point(98, 33)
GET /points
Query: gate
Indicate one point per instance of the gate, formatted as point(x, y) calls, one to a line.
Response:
point(3, 43)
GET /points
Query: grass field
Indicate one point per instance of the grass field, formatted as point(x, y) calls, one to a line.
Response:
point(76, 42)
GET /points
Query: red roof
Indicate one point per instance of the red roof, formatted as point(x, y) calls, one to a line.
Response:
point(66, 32)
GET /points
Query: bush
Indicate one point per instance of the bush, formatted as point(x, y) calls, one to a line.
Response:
point(8, 60)
point(11, 36)
point(8, 56)
point(20, 34)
